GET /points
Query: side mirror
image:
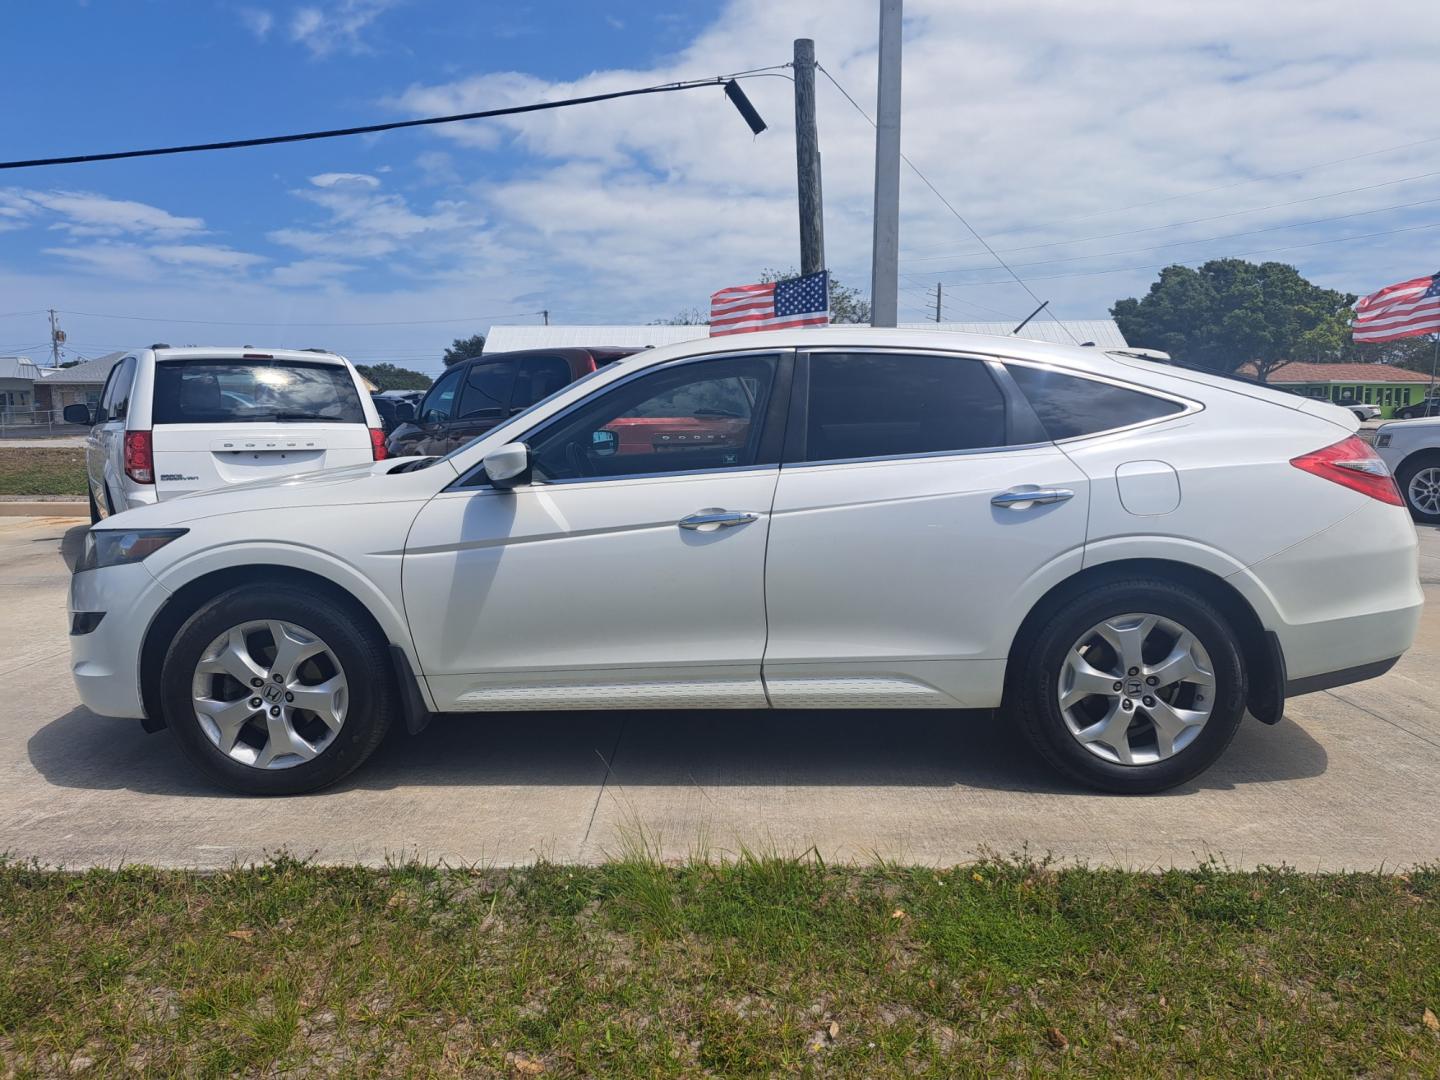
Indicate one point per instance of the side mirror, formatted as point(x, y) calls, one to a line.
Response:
point(404, 412)
point(508, 465)
point(77, 414)
point(604, 443)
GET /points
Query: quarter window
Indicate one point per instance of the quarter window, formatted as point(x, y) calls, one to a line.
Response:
point(864, 405)
point(690, 417)
point(116, 400)
point(1069, 406)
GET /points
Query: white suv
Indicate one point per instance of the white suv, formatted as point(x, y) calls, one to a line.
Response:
point(175, 421)
point(1127, 557)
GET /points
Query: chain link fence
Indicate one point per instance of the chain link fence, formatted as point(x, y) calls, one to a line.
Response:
point(20, 421)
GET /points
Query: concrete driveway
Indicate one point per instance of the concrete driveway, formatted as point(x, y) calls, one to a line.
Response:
point(1350, 779)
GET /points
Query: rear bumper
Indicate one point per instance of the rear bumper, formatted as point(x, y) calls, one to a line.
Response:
point(1331, 679)
point(1345, 604)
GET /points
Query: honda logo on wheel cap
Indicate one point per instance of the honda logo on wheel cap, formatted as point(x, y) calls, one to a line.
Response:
point(274, 693)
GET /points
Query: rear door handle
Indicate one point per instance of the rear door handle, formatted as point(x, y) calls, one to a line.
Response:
point(1021, 499)
point(716, 518)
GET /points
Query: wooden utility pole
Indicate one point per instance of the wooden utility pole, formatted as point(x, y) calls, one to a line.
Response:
point(807, 161)
point(56, 337)
point(885, 249)
point(937, 301)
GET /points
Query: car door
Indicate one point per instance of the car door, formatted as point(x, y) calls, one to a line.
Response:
point(105, 446)
point(630, 571)
point(920, 512)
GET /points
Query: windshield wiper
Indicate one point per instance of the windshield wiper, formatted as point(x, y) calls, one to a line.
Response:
point(307, 416)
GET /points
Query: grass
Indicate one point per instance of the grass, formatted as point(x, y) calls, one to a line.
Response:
point(42, 471)
point(755, 966)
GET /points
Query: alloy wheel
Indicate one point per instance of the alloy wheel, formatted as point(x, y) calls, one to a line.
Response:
point(269, 694)
point(1423, 490)
point(1136, 689)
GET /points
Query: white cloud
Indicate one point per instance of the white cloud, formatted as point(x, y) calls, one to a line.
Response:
point(258, 21)
point(340, 179)
point(337, 28)
point(84, 213)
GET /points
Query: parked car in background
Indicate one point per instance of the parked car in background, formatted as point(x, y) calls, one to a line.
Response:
point(1126, 557)
point(1362, 411)
point(1429, 405)
point(475, 395)
point(396, 407)
point(1411, 449)
point(174, 421)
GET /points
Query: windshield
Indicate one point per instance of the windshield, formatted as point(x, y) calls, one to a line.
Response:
point(241, 391)
point(526, 412)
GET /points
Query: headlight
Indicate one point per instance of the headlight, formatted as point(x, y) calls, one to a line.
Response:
point(115, 547)
point(1382, 440)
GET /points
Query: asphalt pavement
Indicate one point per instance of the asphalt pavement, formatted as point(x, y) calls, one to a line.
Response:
point(1350, 779)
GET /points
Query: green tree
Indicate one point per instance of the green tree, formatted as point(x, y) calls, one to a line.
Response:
point(388, 376)
point(464, 349)
point(847, 305)
point(691, 316)
point(1230, 312)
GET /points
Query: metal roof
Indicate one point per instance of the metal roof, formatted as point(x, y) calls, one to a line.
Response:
point(90, 372)
point(1103, 332)
point(18, 367)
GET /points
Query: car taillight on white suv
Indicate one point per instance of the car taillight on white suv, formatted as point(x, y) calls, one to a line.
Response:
point(1352, 464)
point(377, 444)
point(139, 457)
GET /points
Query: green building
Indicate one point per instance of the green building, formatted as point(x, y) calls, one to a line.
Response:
point(1352, 384)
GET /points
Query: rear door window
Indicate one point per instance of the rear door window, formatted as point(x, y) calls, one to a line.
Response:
point(538, 378)
point(1069, 406)
point(242, 391)
point(874, 405)
point(119, 404)
point(487, 390)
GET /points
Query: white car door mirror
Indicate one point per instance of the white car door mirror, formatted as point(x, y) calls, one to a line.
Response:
point(508, 465)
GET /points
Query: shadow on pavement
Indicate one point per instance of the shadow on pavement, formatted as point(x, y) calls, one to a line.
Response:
point(708, 749)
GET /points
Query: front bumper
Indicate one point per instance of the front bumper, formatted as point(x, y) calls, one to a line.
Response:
point(105, 663)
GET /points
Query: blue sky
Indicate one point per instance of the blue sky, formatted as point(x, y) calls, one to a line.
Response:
point(1090, 139)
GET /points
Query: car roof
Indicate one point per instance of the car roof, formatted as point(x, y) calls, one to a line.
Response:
point(1086, 358)
point(569, 352)
point(241, 352)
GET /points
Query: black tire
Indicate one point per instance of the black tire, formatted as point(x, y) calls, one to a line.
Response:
point(343, 628)
point(1408, 468)
point(94, 509)
point(1034, 689)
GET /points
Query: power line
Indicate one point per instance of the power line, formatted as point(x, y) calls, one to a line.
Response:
point(958, 216)
point(1236, 255)
point(1191, 221)
point(1218, 187)
point(258, 325)
point(393, 125)
point(1202, 240)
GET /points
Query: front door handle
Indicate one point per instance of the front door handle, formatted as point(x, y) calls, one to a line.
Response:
point(714, 518)
point(1021, 499)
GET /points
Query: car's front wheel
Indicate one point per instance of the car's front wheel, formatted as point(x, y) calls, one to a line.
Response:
point(276, 690)
point(1419, 482)
point(1132, 687)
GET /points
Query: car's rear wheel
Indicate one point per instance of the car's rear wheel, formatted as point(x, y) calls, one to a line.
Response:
point(1419, 482)
point(1132, 687)
point(276, 691)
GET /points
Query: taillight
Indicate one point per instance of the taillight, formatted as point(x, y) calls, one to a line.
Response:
point(1352, 464)
point(139, 457)
point(377, 444)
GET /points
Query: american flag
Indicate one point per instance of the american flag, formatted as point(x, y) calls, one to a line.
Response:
point(1408, 309)
point(773, 305)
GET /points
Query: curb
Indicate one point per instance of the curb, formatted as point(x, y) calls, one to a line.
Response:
point(51, 508)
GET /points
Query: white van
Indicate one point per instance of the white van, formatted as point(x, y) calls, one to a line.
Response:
point(175, 421)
